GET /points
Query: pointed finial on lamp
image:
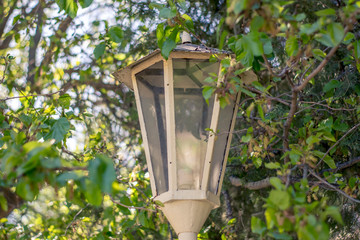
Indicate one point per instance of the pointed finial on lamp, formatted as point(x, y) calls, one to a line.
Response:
point(186, 38)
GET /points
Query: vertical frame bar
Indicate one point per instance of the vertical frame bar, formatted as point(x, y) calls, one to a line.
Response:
point(144, 134)
point(212, 137)
point(223, 169)
point(170, 123)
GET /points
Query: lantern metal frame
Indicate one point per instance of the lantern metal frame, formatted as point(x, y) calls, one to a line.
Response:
point(186, 210)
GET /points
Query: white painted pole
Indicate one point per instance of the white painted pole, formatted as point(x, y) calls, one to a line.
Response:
point(187, 236)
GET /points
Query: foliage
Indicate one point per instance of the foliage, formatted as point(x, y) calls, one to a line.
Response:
point(71, 161)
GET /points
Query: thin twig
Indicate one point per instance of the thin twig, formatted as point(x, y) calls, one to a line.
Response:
point(321, 65)
point(267, 96)
point(287, 124)
point(76, 215)
point(333, 109)
point(71, 154)
point(131, 207)
point(27, 96)
point(334, 188)
point(337, 142)
point(342, 166)
point(6, 66)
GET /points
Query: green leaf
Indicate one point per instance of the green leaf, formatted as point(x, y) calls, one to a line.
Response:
point(294, 155)
point(156, 5)
point(312, 140)
point(324, 39)
point(93, 193)
point(352, 182)
point(246, 138)
point(85, 3)
point(341, 126)
point(240, 6)
point(167, 47)
point(272, 165)
point(267, 46)
point(222, 39)
point(189, 24)
point(223, 102)
point(356, 45)
point(3, 202)
point(309, 29)
point(348, 37)
point(280, 236)
point(247, 92)
point(64, 101)
point(159, 203)
point(26, 190)
point(70, 7)
point(326, 12)
point(292, 46)
point(102, 173)
point(257, 226)
point(318, 54)
point(66, 176)
point(270, 217)
point(182, 4)
point(256, 23)
point(116, 34)
point(276, 183)
point(330, 162)
point(279, 198)
point(257, 162)
point(334, 212)
point(337, 32)
point(99, 50)
point(252, 43)
point(258, 86)
point(167, 13)
point(261, 112)
point(300, 17)
point(26, 119)
point(126, 201)
point(59, 130)
point(331, 85)
point(207, 92)
point(160, 34)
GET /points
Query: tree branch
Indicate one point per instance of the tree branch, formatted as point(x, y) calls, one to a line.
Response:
point(50, 51)
point(131, 207)
point(264, 183)
point(289, 119)
point(4, 43)
point(35, 95)
point(4, 20)
point(76, 215)
point(13, 201)
point(342, 166)
point(337, 142)
point(333, 187)
point(267, 96)
point(321, 65)
point(33, 46)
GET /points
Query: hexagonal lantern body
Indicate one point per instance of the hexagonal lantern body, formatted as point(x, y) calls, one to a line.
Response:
point(186, 138)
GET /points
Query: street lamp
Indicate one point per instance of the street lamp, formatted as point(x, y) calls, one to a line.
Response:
point(186, 138)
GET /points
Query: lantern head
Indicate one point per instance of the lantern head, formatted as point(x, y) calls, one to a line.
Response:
point(186, 138)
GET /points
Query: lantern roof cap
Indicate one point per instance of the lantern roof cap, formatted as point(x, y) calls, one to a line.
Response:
point(124, 75)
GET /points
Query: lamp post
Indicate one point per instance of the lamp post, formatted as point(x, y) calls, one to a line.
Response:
point(186, 162)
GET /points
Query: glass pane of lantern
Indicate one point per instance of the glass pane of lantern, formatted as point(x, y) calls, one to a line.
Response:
point(192, 117)
point(151, 90)
point(223, 129)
